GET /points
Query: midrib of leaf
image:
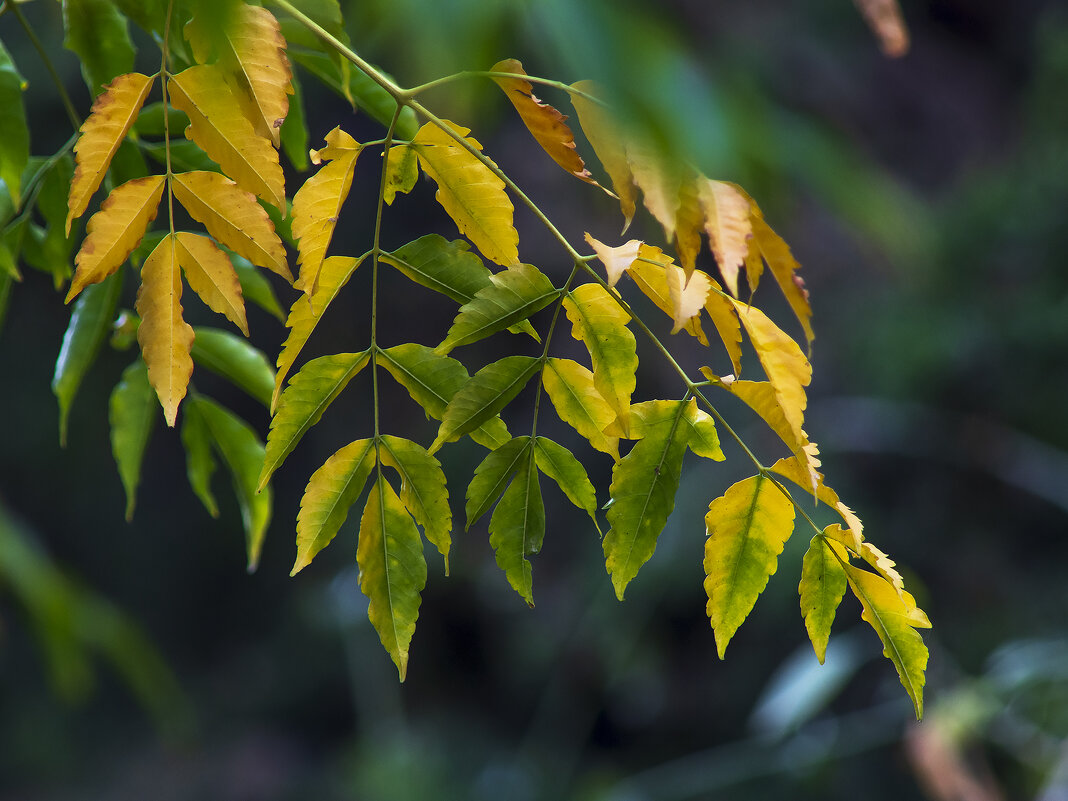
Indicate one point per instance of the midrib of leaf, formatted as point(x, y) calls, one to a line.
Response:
point(385, 550)
point(498, 488)
point(431, 282)
point(381, 353)
point(748, 526)
point(535, 304)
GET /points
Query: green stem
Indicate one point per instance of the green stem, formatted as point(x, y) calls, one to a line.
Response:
point(563, 87)
point(68, 105)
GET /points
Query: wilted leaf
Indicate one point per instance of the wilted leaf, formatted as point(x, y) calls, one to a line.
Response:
point(747, 528)
point(318, 202)
point(822, 586)
point(616, 260)
point(115, 230)
point(331, 490)
point(235, 359)
point(727, 223)
point(233, 217)
point(644, 483)
point(392, 570)
point(469, 192)
point(517, 526)
point(131, 413)
point(211, 275)
point(165, 338)
point(218, 126)
point(579, 404)
point(603, 132)
point(112, 115)
point(97, 33)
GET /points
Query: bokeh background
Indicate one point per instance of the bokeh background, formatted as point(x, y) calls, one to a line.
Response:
point(926, 198)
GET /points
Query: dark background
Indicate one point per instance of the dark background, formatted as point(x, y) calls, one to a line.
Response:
point(926, 198)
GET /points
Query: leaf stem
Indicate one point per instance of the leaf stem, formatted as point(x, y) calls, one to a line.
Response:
point(563, 87)
point(548, 338)
point(163, 78)
point(68, 105)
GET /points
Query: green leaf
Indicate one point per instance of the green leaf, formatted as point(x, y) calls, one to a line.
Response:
point(644, 483)
point(392, 570)
point(559, 464)
point(579, 404)
point(294, 130)
point(492, 476)
point(747, 528)
point(243, 454)
point(96, 32)
point(331, 490)
point(704, 439)
point(517, 526)
point(423, 489)
point(15, 143)
point(132, 413)
point(488, 391)
point(256, 288)
point(823, 584)
point(234, 357)
point(895, 619)
point(433, 381)
point(52, 206)
point(89, 324)
point(599, 322)
point(199, 461)
point(304, 401)
point(514, 295)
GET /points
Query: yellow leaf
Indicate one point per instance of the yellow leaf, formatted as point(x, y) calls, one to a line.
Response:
point(544, 122)
point(689, 218)
point(603, 133)
point(218, 126)
point(785, 365)
point(649, 272)
point(165, 338)
point(660, 180)
point(801, 475)
point(233, 217)
point(687, 296)
point(885, 19)
point(615, 260)
point(729, 327)
point(318, 202)
point(469, 192)
point(784, 267)
point(115, 230)
point(111, 118)
point(726, 214)
point(254, 64)
point(570, 387)
point(211, 275)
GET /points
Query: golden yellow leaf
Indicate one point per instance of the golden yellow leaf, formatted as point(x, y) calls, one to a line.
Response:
point(687, 296)
point(115, 230)
point(603, 133)
point(785, 365)
point(233, 217)
point(110, 119)
point(689, 219)
point(218, 126)
point(212, 276)
point(318, 202)
point(615, 260)
point(254, 65)
point(792, 469)
point(545, 123)
point(784, 267)
point(885, 19)
point(165, 338)
point(649, 272)
point(469, 192)
point(729, 327)
point(726, 214)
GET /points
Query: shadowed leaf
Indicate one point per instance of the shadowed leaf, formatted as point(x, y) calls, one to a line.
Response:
point(517, 526)
point(131, 413)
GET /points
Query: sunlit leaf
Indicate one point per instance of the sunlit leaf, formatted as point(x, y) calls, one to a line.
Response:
point(644, 483)
point(545, 123)
point(687, 295)
point(650, 273)
point(801, 475)
point(570, 387)
point(15, 143)
point(305, 314)
point(747, 528)
point(559, 464)
point(492, 476)
point(616, 260)
point(211, 275)
point(433, 380)
point(235, 359)
point(115, 230)
point(728, 326)
point(218, 126)
point(784, 267)
point(603, 132)
point(112, 115)
point(392, 570)
point(131, 413)
point(97, 33)
point(727, 224)
point(703, 439)
point(599, 322)
point(242, 452)
point(402, 171)
point(895, 619)
point(822, 587)
point(199, 460)
point(512, 296)
point(482, 397)
point(318, 202)
point(233, 217)
point(302, 404)
point(469, 192)
point(423, 490)
point(90, 322)
point(517, 526)
point(165, 338)
point(331, 490)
